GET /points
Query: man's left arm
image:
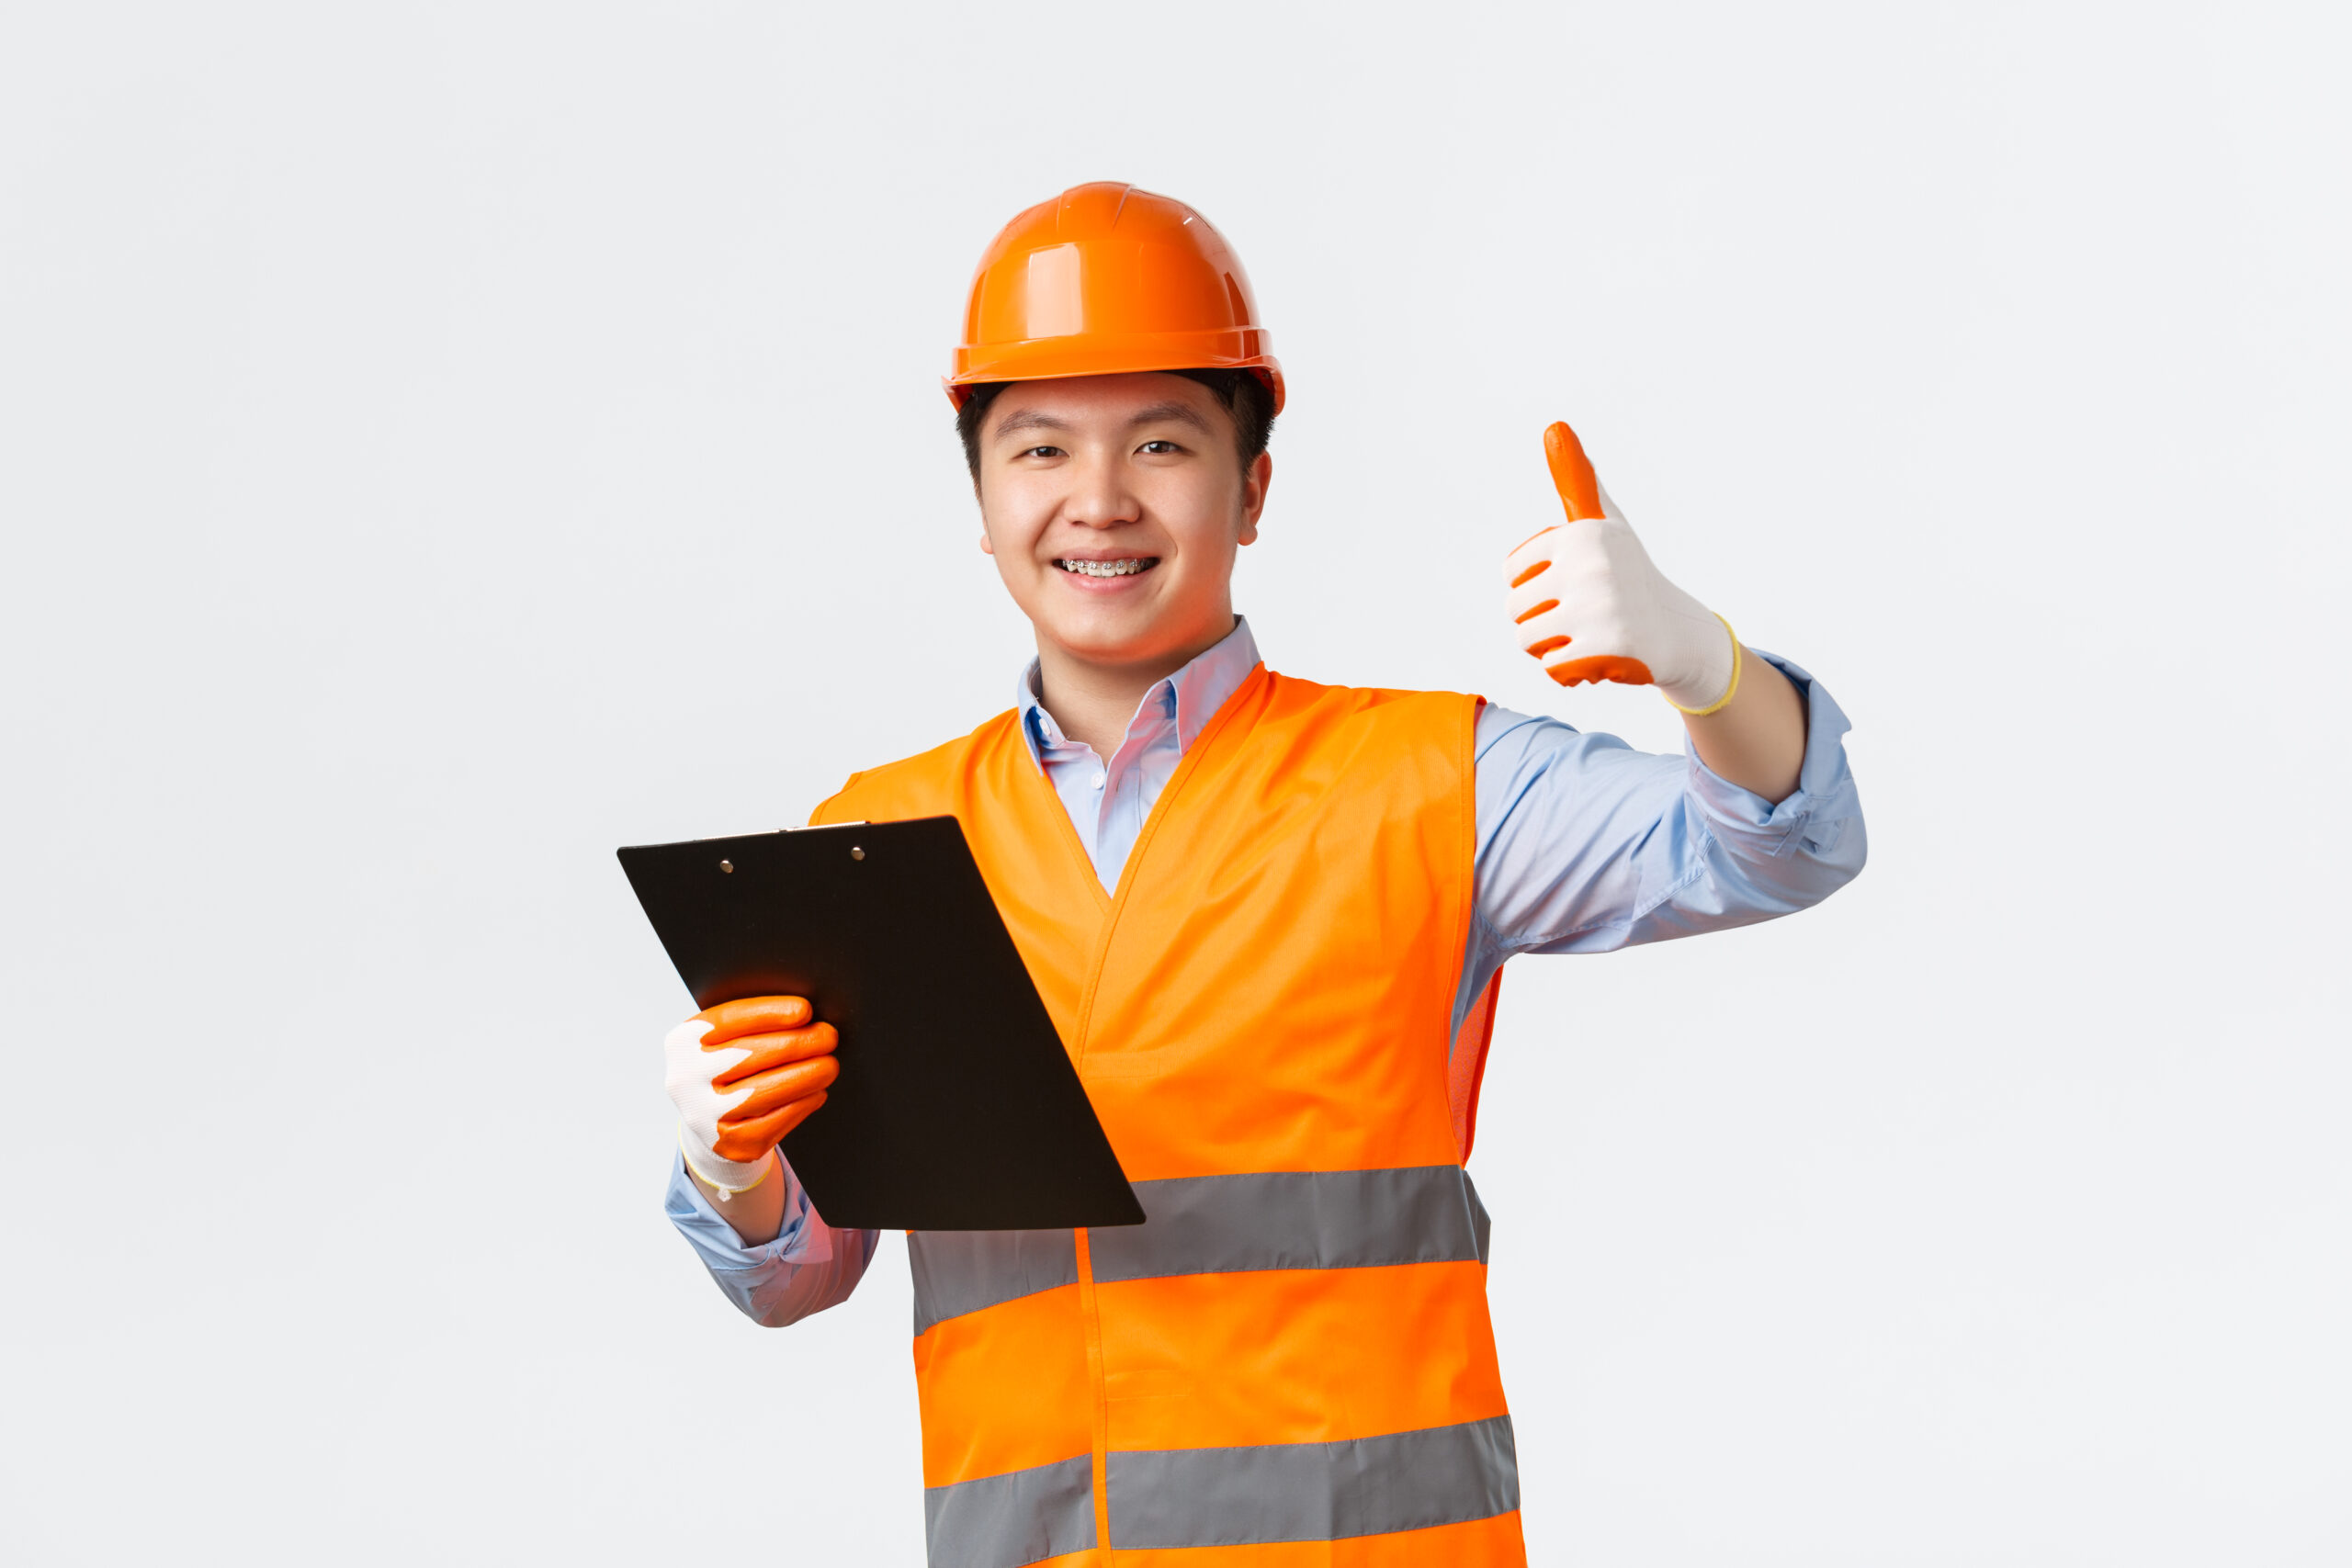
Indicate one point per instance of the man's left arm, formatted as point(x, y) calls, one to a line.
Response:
point(1587, 845)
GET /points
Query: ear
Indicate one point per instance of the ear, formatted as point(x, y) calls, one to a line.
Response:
point(1254, 485)
point(987, 546)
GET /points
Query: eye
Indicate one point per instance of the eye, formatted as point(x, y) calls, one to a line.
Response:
point(1043, 452)
point(1159, 448)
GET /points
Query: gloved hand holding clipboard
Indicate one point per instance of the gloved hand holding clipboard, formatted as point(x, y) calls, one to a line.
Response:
point(956, 1107)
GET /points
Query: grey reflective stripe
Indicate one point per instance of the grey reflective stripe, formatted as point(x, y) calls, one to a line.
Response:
point(1004, 1521)
point(1295, 1219)
point(961, 1271)
point(1217, 1225)
point(1405, 1481)
point(1479, 1221)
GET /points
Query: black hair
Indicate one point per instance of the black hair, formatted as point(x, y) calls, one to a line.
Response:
point(1247, 400)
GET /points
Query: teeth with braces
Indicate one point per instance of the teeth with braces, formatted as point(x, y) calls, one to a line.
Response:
point(1107, 567)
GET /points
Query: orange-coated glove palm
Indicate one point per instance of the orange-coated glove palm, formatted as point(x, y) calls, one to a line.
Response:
point(742, 1074)
point(1591, 606)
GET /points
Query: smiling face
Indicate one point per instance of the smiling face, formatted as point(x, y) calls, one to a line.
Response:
point(1113, 505)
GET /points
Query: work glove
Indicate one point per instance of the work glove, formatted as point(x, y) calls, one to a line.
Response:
point(742, 1074)
point(1590, 606)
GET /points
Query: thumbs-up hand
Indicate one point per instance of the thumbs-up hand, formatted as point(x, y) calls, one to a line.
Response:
point(1589, 603)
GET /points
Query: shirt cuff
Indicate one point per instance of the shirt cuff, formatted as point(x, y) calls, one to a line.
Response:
point(804, 1239)
point(1742, 817)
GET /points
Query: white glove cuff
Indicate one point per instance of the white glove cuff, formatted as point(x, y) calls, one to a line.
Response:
point(1717, 681)
point(731, 1178)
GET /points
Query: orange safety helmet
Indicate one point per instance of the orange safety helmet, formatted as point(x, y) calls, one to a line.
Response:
point(1105, 279)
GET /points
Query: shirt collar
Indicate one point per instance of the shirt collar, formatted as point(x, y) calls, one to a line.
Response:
point(1197, 691)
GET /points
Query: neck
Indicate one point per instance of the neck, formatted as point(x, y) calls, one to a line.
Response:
point(1092, 701)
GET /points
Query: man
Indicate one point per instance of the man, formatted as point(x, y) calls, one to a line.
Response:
point(1268, 918)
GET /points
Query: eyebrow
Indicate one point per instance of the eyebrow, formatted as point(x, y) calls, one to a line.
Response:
point(1025, 419)
point(1182, 413)
point(1037, 418)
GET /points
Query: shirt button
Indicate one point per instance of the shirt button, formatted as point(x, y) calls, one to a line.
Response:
point(1098, 778)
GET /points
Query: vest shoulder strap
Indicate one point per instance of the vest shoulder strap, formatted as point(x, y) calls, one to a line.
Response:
point(923, 784)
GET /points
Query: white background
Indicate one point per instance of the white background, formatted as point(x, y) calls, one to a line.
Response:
point(441, 443)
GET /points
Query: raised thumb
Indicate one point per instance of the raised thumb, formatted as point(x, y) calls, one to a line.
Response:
point(1572, 473)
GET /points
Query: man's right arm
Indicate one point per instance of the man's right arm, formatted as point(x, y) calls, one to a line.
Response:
point(742, 1074)
point(803, 1267)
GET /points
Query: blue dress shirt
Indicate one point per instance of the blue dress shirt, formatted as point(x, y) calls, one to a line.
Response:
point(1584, 845)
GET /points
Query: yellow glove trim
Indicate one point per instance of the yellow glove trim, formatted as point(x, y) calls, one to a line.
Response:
point(726, 1193)
point(1738, 657)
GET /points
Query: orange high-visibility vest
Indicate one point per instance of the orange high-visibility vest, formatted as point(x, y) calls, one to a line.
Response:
point(1290, 1363)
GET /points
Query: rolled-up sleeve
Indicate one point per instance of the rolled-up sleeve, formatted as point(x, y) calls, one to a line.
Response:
point(1586, 845)
point(808, 1267)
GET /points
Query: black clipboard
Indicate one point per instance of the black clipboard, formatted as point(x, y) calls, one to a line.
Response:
point(957, 1108)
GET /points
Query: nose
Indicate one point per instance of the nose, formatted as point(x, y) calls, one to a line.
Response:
point(1100, 496)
